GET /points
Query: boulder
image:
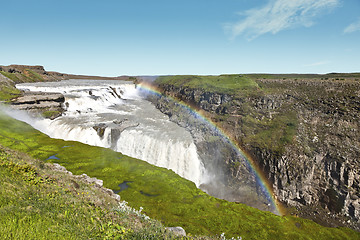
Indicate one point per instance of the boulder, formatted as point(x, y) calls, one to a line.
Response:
point(179, 231)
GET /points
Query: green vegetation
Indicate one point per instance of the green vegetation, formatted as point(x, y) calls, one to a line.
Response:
point(228, 84)
point(8, 92)
point(273, 133)
point(26, 76)
point(37, 202)
point(51, 114)
point(163, 195)
point(35, 77)
point(11, 76)
point(304, 76)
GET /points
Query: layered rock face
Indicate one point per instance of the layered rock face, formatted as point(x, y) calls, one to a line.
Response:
point(305, 135)
point(39, 103)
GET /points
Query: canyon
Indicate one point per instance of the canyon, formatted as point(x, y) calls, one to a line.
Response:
point(301, 130)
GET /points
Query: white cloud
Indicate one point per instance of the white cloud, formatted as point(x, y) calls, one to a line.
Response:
point(279, 15)
point(355, 26)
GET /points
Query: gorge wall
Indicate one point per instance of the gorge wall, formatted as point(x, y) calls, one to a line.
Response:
point(303, 132)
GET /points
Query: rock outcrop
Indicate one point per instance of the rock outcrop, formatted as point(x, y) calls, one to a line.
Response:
point(116, 127)
point(88, 180)
point(304, 133)
point(178, 231)
point(39, 103)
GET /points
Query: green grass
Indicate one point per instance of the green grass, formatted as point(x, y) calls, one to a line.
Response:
point(35, 77)
point(273, 133)
point(32, 209)
point(227, 84)
point(11, 76)
point(37, 202)
point(8, 92)
point(26, 76)
point(50, 114)
point(171, 199)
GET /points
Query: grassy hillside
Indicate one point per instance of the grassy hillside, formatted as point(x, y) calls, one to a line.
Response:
point(8, 92)
point(7, 88)
point(37, 202)
point(27, 76)
point(42, 204)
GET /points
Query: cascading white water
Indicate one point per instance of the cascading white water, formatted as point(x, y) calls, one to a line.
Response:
point(113, 114)
point(180, 156)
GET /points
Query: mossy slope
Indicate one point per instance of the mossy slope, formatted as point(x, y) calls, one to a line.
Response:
point(38, 202)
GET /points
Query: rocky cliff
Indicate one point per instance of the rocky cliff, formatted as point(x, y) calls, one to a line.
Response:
point(302, 130)
point(49, 105)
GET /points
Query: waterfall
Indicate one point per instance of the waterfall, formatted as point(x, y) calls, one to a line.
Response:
point(179, 156)
point(114, 115)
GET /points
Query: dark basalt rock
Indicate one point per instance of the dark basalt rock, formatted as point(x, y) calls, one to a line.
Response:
point(116, 128)
point(100, 129)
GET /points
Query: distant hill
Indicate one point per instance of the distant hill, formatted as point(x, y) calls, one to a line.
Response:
point(26, 73)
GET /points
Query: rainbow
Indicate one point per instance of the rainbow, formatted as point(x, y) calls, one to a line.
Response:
point(259, 174)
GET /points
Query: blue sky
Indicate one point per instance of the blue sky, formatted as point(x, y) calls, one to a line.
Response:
point(158, 37)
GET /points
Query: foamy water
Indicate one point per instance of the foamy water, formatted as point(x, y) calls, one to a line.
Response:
point(113, 114)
